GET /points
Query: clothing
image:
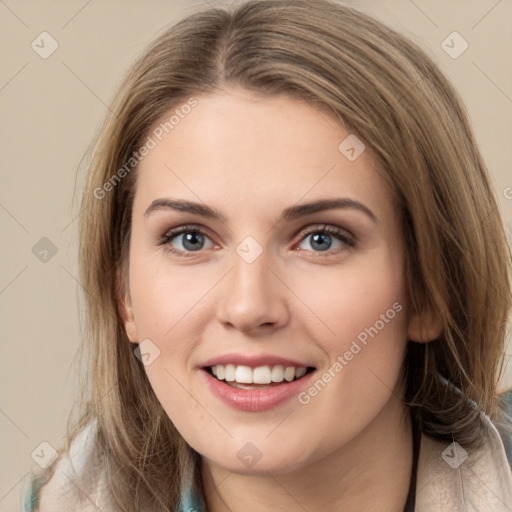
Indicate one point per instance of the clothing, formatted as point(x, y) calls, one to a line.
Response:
point(410, 504)
point(445, 480)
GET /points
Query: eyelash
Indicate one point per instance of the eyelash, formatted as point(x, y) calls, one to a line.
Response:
point(347, 238)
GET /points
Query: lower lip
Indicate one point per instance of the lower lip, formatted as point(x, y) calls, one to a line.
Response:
point(258, 399)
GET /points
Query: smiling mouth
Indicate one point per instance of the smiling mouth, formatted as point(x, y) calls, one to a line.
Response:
point(245, 377)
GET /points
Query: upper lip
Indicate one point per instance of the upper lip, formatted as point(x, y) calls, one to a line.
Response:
point(253, 361)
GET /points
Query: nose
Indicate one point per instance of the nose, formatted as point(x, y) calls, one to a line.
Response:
point(253, 299)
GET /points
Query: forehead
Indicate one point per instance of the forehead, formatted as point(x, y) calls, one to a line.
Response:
point(242, 148)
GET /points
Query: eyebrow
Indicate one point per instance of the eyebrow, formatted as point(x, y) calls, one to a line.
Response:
point(290, 213)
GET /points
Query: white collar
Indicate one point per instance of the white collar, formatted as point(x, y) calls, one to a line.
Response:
point(448, 482)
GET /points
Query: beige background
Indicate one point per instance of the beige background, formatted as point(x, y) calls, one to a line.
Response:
point(51, 109)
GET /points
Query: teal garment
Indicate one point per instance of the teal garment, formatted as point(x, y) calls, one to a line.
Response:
point(190, 501)
point(30, 494)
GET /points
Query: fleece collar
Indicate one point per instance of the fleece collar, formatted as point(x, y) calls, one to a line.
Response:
point(452, 479)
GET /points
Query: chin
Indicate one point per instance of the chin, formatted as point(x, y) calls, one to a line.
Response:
point(250, 460)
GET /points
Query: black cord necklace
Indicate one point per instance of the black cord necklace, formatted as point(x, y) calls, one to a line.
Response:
point(416, 439)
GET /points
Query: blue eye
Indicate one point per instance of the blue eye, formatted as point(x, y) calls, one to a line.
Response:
point(322, 239)
point(187, 240)
point(191, 239)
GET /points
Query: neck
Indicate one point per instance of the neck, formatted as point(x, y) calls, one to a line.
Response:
point(372, 472)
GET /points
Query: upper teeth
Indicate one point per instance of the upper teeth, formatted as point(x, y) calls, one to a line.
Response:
point(258, 375)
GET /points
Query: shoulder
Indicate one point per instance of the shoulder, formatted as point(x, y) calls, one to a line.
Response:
point(65, 489)
point(450, 477)
point(73, 482)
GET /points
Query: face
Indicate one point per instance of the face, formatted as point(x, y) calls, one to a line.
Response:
point(264, 254)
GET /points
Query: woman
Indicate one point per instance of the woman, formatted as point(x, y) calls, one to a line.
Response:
point(297, 279)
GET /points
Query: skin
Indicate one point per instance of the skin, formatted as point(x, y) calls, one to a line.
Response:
point(249, 157)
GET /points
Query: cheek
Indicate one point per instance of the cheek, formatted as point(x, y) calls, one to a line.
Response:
point(363, 333)
point(356, 302)
point(164, 299)
point(166, 305)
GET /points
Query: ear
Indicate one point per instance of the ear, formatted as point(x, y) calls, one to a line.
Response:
point(126, 311)
point(424, 327)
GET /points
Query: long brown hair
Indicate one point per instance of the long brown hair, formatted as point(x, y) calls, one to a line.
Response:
point(394, 97)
